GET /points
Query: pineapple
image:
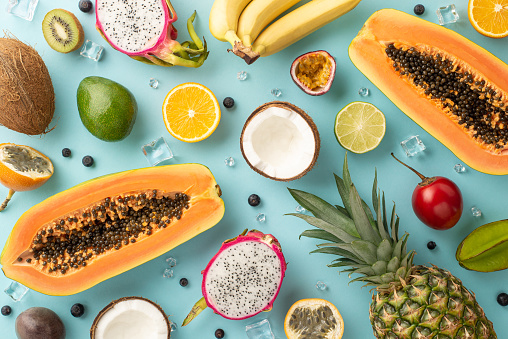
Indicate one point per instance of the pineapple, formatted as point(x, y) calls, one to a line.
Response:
point(409, 301)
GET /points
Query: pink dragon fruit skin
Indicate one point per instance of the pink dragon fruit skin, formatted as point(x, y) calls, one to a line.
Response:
point(165, 51)
point(254, 235)
point(241, 247)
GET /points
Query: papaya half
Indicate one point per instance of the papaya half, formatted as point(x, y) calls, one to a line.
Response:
point(108, 225)
point(454, 89)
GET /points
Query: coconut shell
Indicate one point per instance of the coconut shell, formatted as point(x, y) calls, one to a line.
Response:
point(307, 118)
point(114, 302)
point(27, 98)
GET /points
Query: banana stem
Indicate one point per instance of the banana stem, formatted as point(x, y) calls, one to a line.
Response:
point(192, 32)
point(6, 201)
point(245, 52)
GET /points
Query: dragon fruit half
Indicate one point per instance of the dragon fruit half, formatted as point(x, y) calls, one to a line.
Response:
point(143, 29)
point(243, 278)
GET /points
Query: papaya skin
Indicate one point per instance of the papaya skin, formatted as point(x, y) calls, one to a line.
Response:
point(206, 209)
point(367, 52)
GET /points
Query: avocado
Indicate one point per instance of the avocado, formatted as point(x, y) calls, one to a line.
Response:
point(107, 109)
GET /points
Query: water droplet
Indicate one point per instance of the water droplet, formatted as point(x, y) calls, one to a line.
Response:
point(261, 217)
point(363, 91)
point(229, 161)
point(171, 262)
point(241, 75)
point(321, 286)
point(154, 83)
point(300, 209)
point(276, 92)
point(168, 273)
point(459, 168)
point(173, 326)
point(476, 211)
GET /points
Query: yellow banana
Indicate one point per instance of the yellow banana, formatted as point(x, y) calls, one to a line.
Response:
point(296, 25)
point(257, 15)
point(224, 17)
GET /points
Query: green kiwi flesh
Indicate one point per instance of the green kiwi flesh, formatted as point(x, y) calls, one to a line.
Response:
point(62, 30)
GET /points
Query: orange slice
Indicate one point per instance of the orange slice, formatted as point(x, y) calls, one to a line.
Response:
point(313, 318)
point(489, 17)
point(191, 112)
point(22, 168)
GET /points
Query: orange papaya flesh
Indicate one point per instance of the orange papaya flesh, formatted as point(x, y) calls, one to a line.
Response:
point(108, 225)
point(465, 108)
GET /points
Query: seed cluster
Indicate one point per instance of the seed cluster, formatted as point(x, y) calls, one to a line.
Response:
point(71, 242)
point(22, 161)
point(56, 24)
point(314, 70)
point(313, 323)
point(131, 25)
point(472, 102)
point(243, 279)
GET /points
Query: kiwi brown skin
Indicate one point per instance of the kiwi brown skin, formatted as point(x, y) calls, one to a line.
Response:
point(39, 323)
point(72, 26)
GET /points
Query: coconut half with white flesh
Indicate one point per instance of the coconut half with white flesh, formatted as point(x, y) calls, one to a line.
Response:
point(280, 141)
point(131, 318)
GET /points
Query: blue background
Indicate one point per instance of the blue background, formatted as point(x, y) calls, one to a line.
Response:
point(219, 74)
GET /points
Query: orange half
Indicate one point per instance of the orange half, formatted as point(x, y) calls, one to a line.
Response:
point(191, 112)
point(489, 17)
point(23, 168)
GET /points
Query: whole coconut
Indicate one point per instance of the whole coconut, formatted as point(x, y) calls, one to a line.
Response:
point(39, 323)
point(27, 98)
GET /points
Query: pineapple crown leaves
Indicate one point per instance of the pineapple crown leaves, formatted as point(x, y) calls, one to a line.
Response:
point(367, 243)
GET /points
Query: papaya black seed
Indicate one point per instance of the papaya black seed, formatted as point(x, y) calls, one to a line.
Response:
point(73, 240)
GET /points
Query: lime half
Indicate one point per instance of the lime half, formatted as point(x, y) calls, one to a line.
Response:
point(360, 127)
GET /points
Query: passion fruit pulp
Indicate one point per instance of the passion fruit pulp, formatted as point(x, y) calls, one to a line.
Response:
point(314, 72)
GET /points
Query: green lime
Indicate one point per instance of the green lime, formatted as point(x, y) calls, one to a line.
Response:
point(360, 127)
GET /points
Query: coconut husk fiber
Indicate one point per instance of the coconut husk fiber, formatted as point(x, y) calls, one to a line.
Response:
point(27, 98)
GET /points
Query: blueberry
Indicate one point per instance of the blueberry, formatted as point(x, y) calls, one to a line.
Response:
point(77, 310)
point(219, 333)
point(87, 161)
point(419, 9)
point(85, 5)
point(66, 152)
point(254, 200)
point(228, 102)
point(431, 245)
point(502, 299)
point(6, 310)
point(184, 282)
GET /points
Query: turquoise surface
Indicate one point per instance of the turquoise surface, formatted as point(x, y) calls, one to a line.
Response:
point(219, 74)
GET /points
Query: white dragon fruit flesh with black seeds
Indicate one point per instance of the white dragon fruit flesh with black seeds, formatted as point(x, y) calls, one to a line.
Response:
point(123, 22)
point(143, 29)
point(243, 278)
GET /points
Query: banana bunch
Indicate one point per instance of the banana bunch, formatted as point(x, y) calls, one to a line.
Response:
point(247, 24)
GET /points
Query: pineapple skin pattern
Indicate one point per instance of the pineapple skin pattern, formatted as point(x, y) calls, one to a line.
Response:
point(409, 301)
point(432, 304)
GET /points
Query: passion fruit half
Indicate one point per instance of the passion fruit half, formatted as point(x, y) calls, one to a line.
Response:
point(22, 168)
point(314, 72)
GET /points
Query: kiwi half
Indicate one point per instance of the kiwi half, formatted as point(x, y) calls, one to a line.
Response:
point(62, 30)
